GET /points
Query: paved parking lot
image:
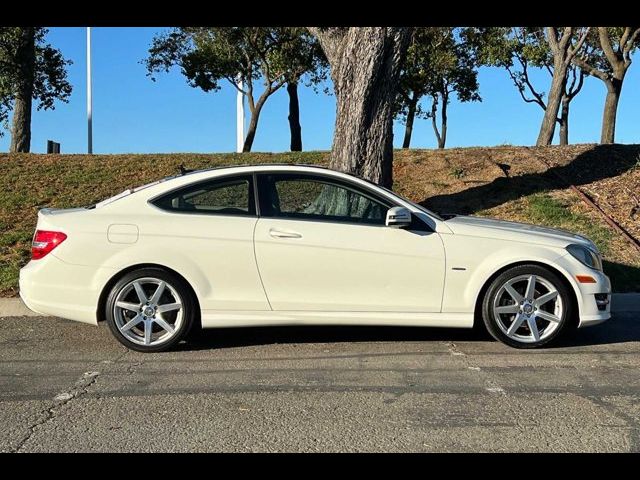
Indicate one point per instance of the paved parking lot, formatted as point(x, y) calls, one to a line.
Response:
point(71, 387)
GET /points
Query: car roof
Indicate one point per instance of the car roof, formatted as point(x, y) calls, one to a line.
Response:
point(266, 167)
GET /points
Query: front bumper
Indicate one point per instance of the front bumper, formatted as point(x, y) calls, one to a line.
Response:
point(595, 304)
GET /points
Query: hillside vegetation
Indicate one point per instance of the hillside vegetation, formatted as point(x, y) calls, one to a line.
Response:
point(515, 183)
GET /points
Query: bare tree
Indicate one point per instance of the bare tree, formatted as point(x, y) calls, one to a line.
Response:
point(563, 51)
point(365, 63)
point(532, 50)
point(609, 61)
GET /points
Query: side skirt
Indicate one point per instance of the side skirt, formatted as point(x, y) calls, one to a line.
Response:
point(214, 319)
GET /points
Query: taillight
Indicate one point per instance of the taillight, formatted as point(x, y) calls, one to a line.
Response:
point(44, 241)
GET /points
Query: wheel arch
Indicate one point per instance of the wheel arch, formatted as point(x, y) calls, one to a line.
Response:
point(104, 294)
point(477, 311)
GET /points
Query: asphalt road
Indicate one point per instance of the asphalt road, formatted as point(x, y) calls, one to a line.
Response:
point(71, 387)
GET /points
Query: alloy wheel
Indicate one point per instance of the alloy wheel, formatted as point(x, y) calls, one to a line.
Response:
point(148, 311)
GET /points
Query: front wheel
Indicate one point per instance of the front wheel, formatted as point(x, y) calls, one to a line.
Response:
point(527, 306)
point(150, 310)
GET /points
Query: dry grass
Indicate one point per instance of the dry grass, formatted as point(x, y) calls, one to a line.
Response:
point(460, 180)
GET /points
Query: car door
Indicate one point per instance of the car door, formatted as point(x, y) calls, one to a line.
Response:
point(209, 225)
point(322, 245)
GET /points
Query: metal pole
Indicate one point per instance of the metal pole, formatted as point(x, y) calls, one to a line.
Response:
point(240, 117)
point(89, 97)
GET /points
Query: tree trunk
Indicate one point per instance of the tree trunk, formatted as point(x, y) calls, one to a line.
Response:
point(434, 120)
point(547, 129)
point(255, 110)
point(21, 128)
point(411, 115)
point(564, 120)
point(614, 87)
point(294, 117)
point(443, 125)
point(365, 64)
point(251, 130)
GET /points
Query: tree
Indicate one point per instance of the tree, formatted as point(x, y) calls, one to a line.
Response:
point(608, 59)
point(438, 64)
point(365, 64)
point(530, 49)
point(209, 55)
point(304, 57)
point(30, 69)
point(552, 48)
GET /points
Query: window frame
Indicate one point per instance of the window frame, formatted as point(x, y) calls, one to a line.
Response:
point(261, 178)
point(252, 201)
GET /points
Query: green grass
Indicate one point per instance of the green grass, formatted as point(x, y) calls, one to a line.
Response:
point(543, 209)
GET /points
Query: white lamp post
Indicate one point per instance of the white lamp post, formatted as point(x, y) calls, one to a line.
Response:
point(89, 99)
point(240, 117)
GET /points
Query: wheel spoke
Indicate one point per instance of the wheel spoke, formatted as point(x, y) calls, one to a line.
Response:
point(531, 321)
point(547, 316)
point(140, 292)
point(148, 326)
point(168, 307)
point(165, 326)
point(134, 307)
point(512, 291)
point(158, 293)
point(508, 309)
point(531, 287)
point(131, 323)
point(547, 297)
point(515, 324)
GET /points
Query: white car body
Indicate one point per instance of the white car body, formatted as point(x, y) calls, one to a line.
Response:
point(324, 273)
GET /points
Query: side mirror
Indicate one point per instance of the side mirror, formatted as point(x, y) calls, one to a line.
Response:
point(398, 217)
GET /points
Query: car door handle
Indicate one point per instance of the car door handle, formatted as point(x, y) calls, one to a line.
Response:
point(283, 234)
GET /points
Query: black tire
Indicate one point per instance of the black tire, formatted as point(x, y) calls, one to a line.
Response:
point(189, 308)
point(566, 319)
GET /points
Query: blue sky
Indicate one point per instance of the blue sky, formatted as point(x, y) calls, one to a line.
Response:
point(132, 114)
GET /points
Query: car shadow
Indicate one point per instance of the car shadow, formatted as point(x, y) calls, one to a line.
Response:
point(599, 162)
point(622, 328)
point(252, 336)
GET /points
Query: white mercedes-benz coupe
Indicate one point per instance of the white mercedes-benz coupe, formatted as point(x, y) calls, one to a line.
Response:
point(295, 244)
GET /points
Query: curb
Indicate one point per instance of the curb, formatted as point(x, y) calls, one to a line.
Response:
point(14, 307)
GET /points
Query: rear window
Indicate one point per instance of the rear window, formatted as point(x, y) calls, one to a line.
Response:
point(228, 196)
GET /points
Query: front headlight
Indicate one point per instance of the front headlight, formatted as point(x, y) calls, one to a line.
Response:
point(586, 256)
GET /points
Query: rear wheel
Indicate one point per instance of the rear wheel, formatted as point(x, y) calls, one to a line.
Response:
point(527, 306)
point(150, 310)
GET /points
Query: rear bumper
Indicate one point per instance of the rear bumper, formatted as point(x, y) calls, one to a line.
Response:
point(52, 287)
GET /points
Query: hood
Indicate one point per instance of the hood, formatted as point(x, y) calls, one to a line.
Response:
point(515, 231)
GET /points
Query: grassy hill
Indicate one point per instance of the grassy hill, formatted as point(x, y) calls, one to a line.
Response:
point(516, 183)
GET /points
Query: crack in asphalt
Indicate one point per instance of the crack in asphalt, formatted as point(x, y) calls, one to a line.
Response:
point(79, 388)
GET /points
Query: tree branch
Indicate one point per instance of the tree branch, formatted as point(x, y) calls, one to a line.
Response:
point(580, 62)
point(605, 43)
point(573, 51)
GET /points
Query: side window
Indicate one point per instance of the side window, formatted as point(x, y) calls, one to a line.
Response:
point(227, 196)
point(312, 197)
